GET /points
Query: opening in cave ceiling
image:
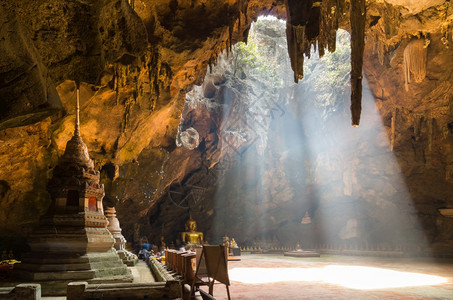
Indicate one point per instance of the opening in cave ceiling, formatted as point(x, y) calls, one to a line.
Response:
point(275, 151)
point(315, 23)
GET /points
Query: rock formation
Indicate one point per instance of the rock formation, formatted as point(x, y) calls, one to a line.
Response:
point(27, 92)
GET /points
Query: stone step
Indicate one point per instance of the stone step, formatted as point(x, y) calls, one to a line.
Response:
point(53, 267)
point(44, 276)
point(130, 262)
point(5, 291)
point(108, 272)
point(99, 257)
point(107, 264)
point(54, 288)
point(51, 258)
point(46, 258)
point(112, 279)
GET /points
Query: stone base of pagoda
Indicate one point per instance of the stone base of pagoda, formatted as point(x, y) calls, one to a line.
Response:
point(127, 257)
point(72, 233)
point(55, 271)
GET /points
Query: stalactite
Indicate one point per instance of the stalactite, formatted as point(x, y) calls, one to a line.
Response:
point(153, 65)
point(313, 34)
point(382, 49)
point(446, 27)
point(357, 20)
point(430, 133)
point(242, 8)
point(392, 20)
point(210, 65)
point(212, 61)
point(447, 32)
point(132, 3)
point(414, 61)
point(296, 40)
point(418, 120)
point(297, 19)
point(127, 112)
point(392, 137)
point(115, 83)
point(331, 11)
point(310, 23)
point(229, 45)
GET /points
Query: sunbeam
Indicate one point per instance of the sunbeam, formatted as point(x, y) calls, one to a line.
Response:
point(288, 154)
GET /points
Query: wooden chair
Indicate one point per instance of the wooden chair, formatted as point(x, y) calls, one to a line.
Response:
point(211, 266)
point(205, 296)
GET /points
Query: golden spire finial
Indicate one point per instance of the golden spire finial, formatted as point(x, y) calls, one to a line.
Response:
point(77, 123)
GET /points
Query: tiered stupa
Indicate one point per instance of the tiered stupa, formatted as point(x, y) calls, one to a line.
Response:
point(120, 242)
point(72, 242)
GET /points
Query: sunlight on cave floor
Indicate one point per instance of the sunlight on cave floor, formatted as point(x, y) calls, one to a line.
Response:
point(354, 277)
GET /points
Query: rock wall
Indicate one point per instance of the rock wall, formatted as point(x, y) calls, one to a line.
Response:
point(270, 154)
point(27, 92)
point(134, 63)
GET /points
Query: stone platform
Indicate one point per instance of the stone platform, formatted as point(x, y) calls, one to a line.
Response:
point(302, 253)
point(56, 271)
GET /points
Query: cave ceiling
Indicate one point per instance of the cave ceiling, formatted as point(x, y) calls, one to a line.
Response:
point(47, 42)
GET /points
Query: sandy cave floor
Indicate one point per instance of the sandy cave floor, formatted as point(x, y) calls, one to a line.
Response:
point(261, 276)
point(265, 276)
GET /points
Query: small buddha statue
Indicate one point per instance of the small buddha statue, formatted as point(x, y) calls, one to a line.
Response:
point(163, 245)
point(226, 241)
point(191, 235)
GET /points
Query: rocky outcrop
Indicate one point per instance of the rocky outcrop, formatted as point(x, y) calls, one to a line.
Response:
point(27, 93)
point(414, 7)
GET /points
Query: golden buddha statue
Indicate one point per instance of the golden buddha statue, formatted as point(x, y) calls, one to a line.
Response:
point(191, 236)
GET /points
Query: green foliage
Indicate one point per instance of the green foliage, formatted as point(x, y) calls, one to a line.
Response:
point(254, 58)
point(328, 77)
point(332, 65)
point(249, 58)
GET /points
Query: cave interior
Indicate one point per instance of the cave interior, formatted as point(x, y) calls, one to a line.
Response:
point(325, 125)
